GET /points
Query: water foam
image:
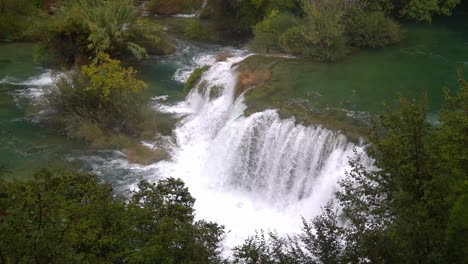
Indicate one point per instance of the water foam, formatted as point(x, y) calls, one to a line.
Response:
point(256, 172)
point(43, 79)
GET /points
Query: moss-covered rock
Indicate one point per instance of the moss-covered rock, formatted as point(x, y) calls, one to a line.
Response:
point(194, 78)
point(142, 155)
point(96, 138)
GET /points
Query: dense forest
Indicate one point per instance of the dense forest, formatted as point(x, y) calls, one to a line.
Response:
point(411, 206)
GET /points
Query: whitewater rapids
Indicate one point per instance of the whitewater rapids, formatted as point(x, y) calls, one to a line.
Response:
point(256, 172)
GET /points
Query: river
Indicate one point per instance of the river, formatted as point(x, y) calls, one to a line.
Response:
point(247, 171)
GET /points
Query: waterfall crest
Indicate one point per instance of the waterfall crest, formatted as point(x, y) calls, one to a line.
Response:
point(255, 172)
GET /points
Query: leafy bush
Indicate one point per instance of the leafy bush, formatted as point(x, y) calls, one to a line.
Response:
point(101, 95)
point(78, 30)
point(293, 42)
point(325, 30)
point(195, 30)
point(267, 32)
point(371, 30)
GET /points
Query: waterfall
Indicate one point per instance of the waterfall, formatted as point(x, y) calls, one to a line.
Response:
point(255, 172)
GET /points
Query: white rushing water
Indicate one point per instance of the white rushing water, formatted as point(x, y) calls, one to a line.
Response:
point(246, 173)
point(256, 172)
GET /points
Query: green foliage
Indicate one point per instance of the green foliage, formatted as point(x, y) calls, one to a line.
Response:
point(319, 242)
point(237, 18)
point(195, 30)
point(101, 98)
point(262, 248)
point(149, 34)
point(292, 41)
point(107, 76)
point(325, 30)
point(67, 217)
point(411, 200)
point(319, 34)
point(418, 10)
point(410, 207)
point(193, 79)
point(14, 18)
point(172, 7)
point(79, 30)
point(165, 229)
point(424, 10)
point(386, 6)
point(371, 29)
point(268, 31)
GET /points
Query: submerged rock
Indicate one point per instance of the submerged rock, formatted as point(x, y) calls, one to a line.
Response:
point(142, 155)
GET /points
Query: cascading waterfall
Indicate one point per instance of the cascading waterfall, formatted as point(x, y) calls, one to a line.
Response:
point(276, 159)
point(255, 172)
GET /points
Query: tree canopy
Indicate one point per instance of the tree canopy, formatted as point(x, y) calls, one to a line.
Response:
point(411, 206)
point(69, 217)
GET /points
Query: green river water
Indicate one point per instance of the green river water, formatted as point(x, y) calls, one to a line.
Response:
point(423, 63)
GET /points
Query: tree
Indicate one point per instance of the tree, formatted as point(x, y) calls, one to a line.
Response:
point(53, 219)
point(164, 226)
point(69, 217)
point(418, 10)
point(413, 198)
point(319, 242)
point(268, 248)
point(425, 10)
point(410, 206)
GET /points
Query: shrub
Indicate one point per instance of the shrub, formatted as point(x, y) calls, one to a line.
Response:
point(323, 31)
point(195, 30)
point(293, 42)
point(102, 97)
point(371, 30)
point(267, 32)
point(78, 30)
